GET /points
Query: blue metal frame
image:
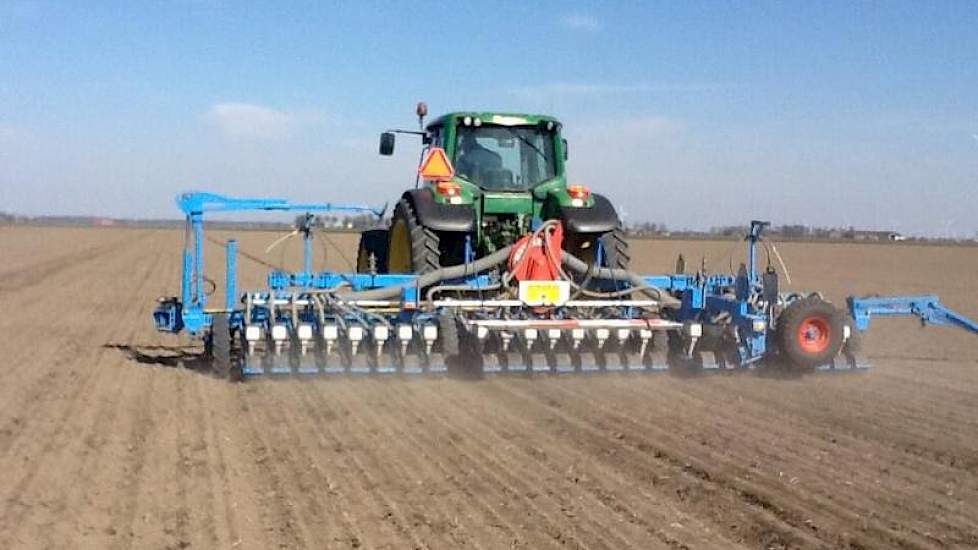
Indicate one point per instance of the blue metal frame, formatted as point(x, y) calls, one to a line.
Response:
point(194, 205)
point(737, 297)
point(927, 307)
point(231, 271)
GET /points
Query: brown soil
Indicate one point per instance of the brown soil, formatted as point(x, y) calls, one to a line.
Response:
point(104, 445)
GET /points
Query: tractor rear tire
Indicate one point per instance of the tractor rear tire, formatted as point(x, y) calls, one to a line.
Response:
point(810, 332)
point(615, 249)
point(412, 248)
point(613, 245)
point(372, 252)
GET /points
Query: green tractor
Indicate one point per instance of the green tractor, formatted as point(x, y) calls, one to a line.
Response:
point(509, 175)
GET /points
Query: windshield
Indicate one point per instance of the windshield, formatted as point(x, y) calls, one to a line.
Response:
point(504, 157)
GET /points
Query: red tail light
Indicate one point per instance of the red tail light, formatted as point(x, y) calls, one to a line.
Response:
point(448, 188)
point(578, 192)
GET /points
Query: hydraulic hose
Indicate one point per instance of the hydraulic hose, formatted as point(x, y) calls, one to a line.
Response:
point(433, 277)
point(577, 265)
point(638, 284)
point(448, 288)
point(570, 261)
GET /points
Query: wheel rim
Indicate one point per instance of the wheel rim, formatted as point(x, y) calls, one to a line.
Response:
point(399, 253)
point(814, 335)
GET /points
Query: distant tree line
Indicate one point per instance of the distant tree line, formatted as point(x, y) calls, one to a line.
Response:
point(360, 222)
point(809, 232)
point(786, 232)
point(648, 228)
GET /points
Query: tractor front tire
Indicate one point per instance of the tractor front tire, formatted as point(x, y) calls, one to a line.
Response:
point(412, 248)
point(810, 332)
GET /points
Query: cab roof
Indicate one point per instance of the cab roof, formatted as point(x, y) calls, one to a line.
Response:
point(494, 117)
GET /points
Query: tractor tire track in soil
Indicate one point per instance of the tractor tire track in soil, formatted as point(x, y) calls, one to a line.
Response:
point(100, 450)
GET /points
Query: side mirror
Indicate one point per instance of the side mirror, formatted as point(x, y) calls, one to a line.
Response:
point(387, 144)
point(564, 141)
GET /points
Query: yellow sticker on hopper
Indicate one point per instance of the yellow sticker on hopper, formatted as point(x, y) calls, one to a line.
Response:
point(544, 293)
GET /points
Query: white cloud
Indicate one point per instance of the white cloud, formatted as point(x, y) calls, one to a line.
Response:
point(247, 121)
point(580, 22)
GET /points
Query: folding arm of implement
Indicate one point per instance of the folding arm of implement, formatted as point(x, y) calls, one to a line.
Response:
point(928, 308)
point(189, 313)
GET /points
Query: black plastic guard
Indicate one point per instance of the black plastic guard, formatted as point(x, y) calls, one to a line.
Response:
point(599, 218)
point(441, 217)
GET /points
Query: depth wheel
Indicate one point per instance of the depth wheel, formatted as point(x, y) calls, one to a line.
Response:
point(221, 361)
point(462, 356)
point(810, 332)
point(412, 248)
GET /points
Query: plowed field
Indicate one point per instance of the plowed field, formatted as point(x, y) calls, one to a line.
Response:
point(106, 443)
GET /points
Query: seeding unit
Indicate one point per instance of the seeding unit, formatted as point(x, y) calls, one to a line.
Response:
point(528, 307)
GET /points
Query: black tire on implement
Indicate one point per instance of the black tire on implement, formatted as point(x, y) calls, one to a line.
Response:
point(372, 252)
point(412, 248)
point(221, 360)
point(451, 344)
point(810, 332)
point(461, 356)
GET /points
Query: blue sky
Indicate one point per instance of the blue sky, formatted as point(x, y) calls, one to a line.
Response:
point(692, 114)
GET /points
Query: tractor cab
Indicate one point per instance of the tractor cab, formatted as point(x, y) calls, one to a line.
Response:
point(496, 152)
point(501, 152)
point(497, 177)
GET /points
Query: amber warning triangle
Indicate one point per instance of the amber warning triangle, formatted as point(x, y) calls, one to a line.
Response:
point(436, 165)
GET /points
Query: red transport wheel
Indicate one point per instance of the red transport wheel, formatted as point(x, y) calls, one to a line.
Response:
point(814, 334)
point(810, 332)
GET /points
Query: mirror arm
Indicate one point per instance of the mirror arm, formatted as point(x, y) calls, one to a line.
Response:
point(425, 138)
